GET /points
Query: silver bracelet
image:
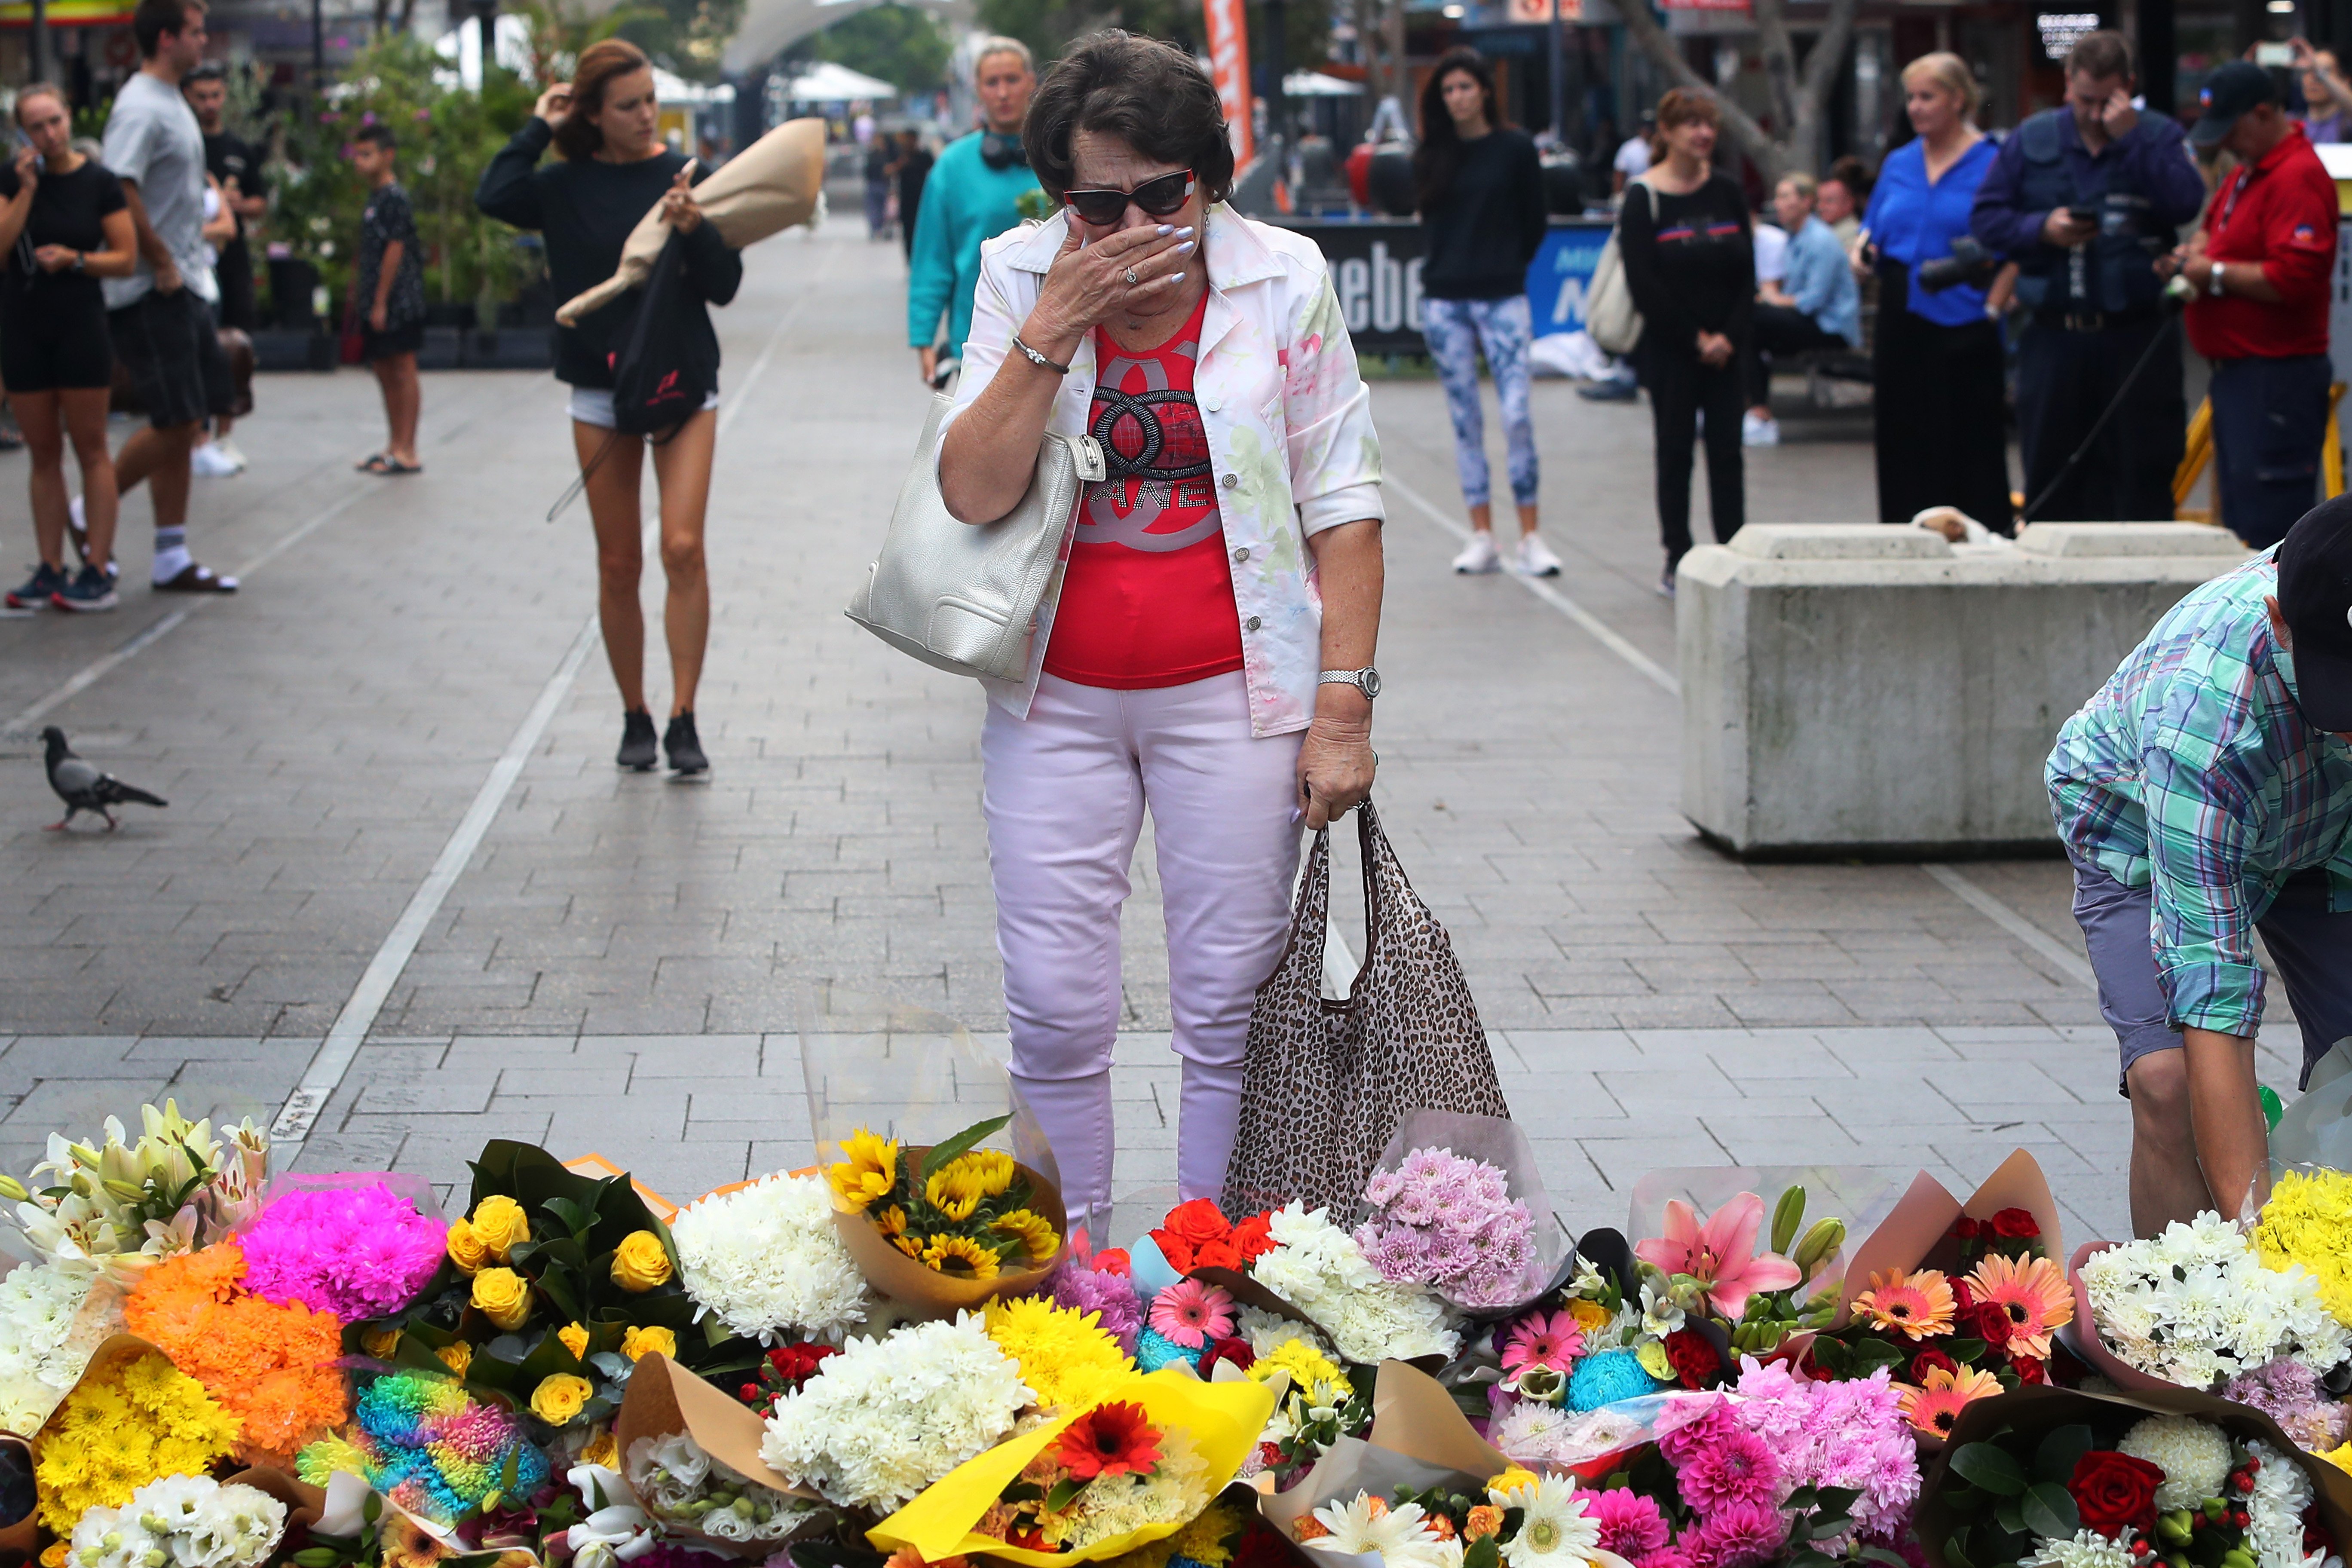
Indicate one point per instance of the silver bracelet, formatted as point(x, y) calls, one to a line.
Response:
point(1037, 359)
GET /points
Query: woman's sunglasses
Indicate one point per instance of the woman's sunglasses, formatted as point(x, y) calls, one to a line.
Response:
point(1154, 198)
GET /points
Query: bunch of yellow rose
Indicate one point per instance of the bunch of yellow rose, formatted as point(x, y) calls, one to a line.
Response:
point(482, 1246)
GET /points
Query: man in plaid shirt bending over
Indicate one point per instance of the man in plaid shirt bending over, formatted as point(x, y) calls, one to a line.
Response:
point(2203, 794)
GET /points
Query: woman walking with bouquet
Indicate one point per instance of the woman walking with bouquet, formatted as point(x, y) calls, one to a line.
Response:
point(1190, 666)
point(614, 168)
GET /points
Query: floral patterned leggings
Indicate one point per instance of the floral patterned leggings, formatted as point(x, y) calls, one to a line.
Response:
point(1456, 330)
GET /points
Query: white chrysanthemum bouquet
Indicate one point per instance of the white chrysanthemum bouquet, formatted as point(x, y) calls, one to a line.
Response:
point(2195, 1306)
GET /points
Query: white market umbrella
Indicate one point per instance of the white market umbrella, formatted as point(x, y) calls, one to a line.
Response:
point(829, 82)
point(1314, 84)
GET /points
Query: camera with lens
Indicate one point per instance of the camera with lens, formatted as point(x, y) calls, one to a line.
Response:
point(1970, 263)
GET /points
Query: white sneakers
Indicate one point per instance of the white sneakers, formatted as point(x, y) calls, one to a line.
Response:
point(1478, 555)
point(216, 460)
point(1758, 429)
point(1533, 558)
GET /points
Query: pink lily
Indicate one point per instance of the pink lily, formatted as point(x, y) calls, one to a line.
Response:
point(1721, 1253)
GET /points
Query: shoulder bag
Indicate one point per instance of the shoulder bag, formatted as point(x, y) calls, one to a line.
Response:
point(1325, 1085)
point(1610, 317)
point(967, 598)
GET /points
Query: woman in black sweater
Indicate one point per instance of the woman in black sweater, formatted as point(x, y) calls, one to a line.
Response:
point(1690, 261)
point(614, 170)
point(1483, 216)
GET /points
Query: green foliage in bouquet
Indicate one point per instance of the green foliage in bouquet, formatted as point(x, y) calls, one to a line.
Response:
point(2000, 1501)
point(962, 1210)
point(550, 1273)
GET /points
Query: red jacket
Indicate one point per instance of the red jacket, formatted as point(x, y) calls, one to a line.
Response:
point(2281, 213)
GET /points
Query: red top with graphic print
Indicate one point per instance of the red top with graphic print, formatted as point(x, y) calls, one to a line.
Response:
point(1148, 597)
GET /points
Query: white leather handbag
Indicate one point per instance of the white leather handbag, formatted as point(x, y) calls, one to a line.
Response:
point(968, 597)
point(1609, 312)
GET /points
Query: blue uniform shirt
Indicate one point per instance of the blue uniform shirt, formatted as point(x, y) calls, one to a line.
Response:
point(1911, 221)
point(2151, 166)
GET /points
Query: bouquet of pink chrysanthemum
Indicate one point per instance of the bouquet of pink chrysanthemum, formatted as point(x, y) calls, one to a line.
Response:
point(1447, 1222)
point(358, 1252)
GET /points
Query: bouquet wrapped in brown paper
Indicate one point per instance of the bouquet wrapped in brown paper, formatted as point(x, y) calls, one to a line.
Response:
point(690, 1454)
point(2167, 1475)
point(1419, 1438)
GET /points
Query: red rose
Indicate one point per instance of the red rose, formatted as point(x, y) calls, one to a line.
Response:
point(1964, 1300)
point(2015, 1224)
point(1693, 1357)
point(2029, 1370)
point(2114, 1492)
point(1198, 1221)
point(1253, 1237)
point(1237, 1351)
point(1927, 1362)
point(1175, 1249)
point(1992, 1324)
point(1113, 1260)
point(1965, 1229)
point(1216, 1254)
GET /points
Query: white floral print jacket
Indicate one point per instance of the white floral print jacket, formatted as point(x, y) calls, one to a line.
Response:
point(1289, 426)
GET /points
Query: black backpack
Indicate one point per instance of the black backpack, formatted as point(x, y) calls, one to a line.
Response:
point(665, 370)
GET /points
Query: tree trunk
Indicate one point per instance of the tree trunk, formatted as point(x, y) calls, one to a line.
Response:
point(1800, 97)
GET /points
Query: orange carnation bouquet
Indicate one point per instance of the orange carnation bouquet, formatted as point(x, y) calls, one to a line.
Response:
point(273, 1366)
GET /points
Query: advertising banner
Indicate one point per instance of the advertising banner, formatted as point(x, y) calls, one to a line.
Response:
point(1228, 25)
point(1376, 272)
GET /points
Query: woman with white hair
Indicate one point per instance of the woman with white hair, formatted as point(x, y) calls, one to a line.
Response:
point(1939, 399)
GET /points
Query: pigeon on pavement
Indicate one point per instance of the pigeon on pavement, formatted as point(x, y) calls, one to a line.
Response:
point(82, 787)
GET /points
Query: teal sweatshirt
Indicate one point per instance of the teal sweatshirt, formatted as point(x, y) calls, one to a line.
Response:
point(965, 204)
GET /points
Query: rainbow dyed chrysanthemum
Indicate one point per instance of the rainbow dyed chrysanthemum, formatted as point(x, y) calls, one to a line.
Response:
point(425, 1443)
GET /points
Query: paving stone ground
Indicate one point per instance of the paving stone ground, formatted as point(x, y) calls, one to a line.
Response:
point(620, 965)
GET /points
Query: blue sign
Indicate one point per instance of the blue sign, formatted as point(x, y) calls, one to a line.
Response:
point(1562, 272)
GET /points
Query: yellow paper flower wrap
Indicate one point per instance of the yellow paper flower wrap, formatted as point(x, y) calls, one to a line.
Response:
point(504, 1297)
point(1223, 1420)
point(641, 1262)
point(500, 1224)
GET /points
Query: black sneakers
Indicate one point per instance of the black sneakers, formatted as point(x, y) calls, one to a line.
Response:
point(43, 584)
point(637, 753)
point(687, 762)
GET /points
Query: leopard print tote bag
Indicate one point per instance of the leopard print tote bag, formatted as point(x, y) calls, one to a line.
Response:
point(1325, 1084)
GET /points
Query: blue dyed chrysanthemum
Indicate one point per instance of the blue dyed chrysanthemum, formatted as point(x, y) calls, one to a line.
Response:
point(1605, 1377)
point(1154, 1351)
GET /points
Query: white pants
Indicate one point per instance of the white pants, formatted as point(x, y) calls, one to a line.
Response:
point(1065, 792)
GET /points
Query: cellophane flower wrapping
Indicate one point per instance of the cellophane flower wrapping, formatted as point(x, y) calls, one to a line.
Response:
point(682, 1486)
point(274, 1367)
point(1443, 1220)
point(53, 1317)
point(889, 1416)
point(1322, 1271)
point(132, 1417)
point(1219, 1423)
point(2195, 1306)
point(423, 1442)
point(193, 1521)
point(766, 1259)
point(354, 1251)
point(118, 1206)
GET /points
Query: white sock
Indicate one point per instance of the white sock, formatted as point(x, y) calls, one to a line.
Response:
point(171, 562)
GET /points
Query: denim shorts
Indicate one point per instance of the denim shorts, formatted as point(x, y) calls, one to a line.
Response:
point(594, 405)
point(2310, 947)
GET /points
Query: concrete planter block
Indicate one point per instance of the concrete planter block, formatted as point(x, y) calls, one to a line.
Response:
point(1865, 690)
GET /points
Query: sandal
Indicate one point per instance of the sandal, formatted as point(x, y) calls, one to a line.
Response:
point(195, 579)
point(395, 466)
point(373, 465)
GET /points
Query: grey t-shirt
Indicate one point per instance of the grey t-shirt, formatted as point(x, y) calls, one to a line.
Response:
point(152, 140)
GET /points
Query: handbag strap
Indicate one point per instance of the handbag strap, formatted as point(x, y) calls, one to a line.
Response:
point(1301, 969)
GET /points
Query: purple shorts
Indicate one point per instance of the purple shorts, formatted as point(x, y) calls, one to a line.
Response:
point(2310, 947)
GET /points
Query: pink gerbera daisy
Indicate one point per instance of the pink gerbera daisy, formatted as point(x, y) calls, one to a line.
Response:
point(1191, 1313)
point(1539, 1340)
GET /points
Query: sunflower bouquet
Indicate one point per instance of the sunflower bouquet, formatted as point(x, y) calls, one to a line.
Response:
point(950, 1226)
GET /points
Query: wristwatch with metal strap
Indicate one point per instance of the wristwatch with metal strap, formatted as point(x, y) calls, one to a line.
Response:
point(1366, 680)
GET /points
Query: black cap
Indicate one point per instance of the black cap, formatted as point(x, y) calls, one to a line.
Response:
point(2228, 93)
point(2315, 595)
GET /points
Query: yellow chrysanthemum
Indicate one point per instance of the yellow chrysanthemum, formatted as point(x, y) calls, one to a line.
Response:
point(867, 1171)
point(1312, 1373)
point(2308, 1220)
point(2340, 1458)
point(960, 1257)
point(1066, 1358)
point(1039, 1240)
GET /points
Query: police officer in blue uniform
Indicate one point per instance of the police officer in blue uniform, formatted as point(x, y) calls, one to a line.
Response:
point(2085, 198)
